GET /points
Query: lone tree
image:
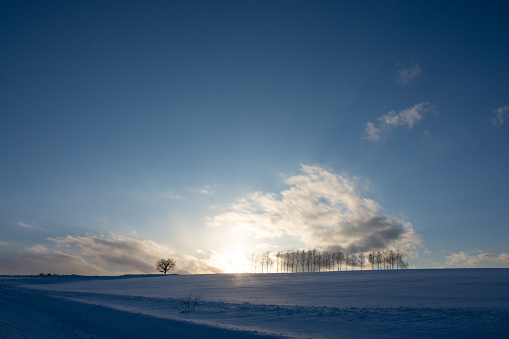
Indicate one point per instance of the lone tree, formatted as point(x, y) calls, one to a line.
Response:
point(164, 265)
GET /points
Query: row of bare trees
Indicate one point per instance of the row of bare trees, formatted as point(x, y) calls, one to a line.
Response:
point(387, 260)
point(318, 261)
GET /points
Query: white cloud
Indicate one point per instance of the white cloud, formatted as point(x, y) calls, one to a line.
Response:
point(29, 226)
point(504, 257)
point(464, 259)
point(322, 209)
point(389, 122)
point(205, 189)
point(172, 194)
point(38, 249)
point(372, 133)
point(204, 263)
point(499, 116)
point(406, 75)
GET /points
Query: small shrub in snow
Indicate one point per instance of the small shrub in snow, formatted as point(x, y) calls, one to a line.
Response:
point(189, 302)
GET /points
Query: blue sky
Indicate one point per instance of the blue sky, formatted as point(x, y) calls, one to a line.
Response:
point(204, 130)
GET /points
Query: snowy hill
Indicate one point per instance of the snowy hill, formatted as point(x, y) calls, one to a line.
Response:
point(458, 303)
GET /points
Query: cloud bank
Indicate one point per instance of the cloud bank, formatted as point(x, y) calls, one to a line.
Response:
point(323, 210)
point(99, 255)
point(464, 259)
point(389, 122)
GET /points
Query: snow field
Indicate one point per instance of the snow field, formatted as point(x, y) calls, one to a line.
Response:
point(464, 303)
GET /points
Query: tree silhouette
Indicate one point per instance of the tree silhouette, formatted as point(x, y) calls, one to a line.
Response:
point(164, 265)
point(317, 260)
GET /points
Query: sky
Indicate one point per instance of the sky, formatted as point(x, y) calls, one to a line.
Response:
point(204, 130)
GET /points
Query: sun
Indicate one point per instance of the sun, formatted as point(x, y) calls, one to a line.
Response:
point(230, 247)
point(233, 261)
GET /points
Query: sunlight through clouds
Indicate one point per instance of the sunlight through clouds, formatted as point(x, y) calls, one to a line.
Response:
point(322, 209)
point(115, 252)
point(106, 255)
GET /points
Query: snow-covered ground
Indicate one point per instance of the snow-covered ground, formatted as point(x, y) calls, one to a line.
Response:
point(460, 303)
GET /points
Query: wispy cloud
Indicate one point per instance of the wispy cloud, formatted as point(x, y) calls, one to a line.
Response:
point(172, 194)
point(372, 133)
point(28, 226)
point(408, 74)
point(387, 123)
point(322, 209)
point(464, 259)
point(205, 189)
point(499, 116)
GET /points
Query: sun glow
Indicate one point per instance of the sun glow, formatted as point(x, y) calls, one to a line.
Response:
point(233, 261)
point(233, 255)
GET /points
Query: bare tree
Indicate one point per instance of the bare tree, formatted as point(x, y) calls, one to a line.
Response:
point(294, 259)
point(326, 260)
point(319, 260)
point(400, 264)
point(390, 258)
point(253, 258)
point(379, 258)
point(353, 260)
point(268, 261)
point(164, 265)
point(362, 259)
point(278, 261)
point(286, 258)
point(309, 259)
point(302, 259)
point(341, 259)
point(371, 259)
point(314, 255)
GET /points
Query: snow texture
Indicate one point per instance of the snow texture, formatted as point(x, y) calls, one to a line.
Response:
point(460, 303)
